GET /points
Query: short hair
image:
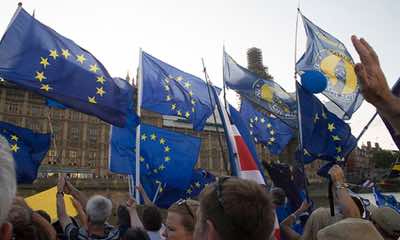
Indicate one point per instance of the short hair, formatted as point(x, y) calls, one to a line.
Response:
point(187, 209)
point(123, 217)
point(8, 184)
point(44, 215)
point(239, 209)
point(152, 218)
point(98, 209)
point(136, 234)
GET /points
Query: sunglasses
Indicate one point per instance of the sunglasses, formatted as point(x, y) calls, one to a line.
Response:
point(184, 202)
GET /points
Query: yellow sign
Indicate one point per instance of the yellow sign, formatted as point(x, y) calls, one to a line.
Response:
point(46, 201)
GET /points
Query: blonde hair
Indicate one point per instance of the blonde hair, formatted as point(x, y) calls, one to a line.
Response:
point(187, 209)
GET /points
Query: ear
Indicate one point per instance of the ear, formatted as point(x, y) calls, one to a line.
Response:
point(211, 232)
point(6, 231)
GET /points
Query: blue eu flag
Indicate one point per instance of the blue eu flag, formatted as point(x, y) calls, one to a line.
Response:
point(325, 136)
point(165, 155)
point(266, 129)
point(37, 58)
point(28, 149)
point(170, 91)
point(329, 56)
point(383, 200)
point(167, 195)
point(265, 93)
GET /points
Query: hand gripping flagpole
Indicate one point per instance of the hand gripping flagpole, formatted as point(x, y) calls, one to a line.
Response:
point(138, 111)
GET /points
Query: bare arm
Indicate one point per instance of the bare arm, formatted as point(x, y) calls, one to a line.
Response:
point(349, 207)
point(135, 220)
point(81, 213)
point(44, 225)
point(374, 86)
point(286, 224)
point(78, 195)
point(144, 195)
point(61, 211)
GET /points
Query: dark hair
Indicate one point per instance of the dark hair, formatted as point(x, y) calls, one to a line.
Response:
point(136, 234)
point(123, 217)
point(239, 209)
point(152, 218)
point(44, 215)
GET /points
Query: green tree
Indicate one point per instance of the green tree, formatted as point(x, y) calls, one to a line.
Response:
point(384, 158)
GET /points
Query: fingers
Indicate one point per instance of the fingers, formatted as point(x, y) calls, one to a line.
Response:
point(361, 75)
point(371, 50)
point(362, 51)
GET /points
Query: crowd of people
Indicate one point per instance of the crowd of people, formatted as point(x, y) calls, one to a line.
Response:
point(230, 208)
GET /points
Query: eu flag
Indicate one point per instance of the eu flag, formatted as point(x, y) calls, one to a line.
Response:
point(37, 58)
point(265, 128)
point(170, 91)
point(165, 155)
point(383, 200)
point(325, 136)
point(167, 195)
point(28, 149)
point(392, 131)
point(265, 93)
point(329, 56)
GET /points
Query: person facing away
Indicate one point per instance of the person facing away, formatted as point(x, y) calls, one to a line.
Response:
point(234, 209)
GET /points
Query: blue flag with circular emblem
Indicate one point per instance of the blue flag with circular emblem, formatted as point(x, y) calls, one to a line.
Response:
point(329, 56)
point(37, 58)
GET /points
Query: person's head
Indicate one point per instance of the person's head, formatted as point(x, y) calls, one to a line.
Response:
point(123, 217)
point(233, 208)
point(136, 234)
point(181, 220)
point(98, 209)
point(349, 229)
point(44, 214)
point(278, 196)
point(21, 219)
point(8, 187)
point(152, 218)
point(387, 221)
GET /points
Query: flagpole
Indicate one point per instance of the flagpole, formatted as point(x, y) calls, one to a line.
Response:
point(15, 15)
point(138, 111)
point(208, 81)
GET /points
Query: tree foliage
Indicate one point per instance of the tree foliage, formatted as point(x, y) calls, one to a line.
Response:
point(384, 158)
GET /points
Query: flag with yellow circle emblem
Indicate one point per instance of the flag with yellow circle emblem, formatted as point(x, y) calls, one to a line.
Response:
point(35, 57)
point(329, 56)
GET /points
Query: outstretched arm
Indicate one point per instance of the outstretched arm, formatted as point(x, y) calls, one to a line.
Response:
point(135, 220)
point(374, 86)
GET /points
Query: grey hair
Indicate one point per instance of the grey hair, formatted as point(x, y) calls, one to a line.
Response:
point(8, 182)
point(98, 209)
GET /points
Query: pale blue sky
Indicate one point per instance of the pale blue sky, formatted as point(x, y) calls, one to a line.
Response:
point(181, 32)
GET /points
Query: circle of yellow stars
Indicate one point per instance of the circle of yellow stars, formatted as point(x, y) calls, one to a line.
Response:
point(65, 54)
point(165, 148)
point(261, 120)
point(174, 107)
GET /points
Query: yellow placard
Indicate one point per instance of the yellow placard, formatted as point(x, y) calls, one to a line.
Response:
point(46, 201)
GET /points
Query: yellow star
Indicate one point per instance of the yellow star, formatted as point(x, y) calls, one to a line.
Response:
point(255, 119)
point(316, 118)
point(46, 87)
point(269, 143)
point(92, 99)
point(178, 78)
point(272, 139)
point(168, 98)
point(162, 140)
point(335, 138)
point(187, 114)
point(161, 167)
point(167, 159)
point(14, 148)
point(40, 76)
point(166, 79)
point(141, 159)
point(153, 137)
point(155, 170)
point(193, 109)
point(179, 113)
point(166, 88)
point(144, 137)
point(262, 120)
point(44, 62)
point(191, 93)
point(94, 68)
point(173, 106)
point(193, 102)
point(14, 137)
point(187, 85)
point(331, 127)
point(306, 153)
point(269, 125)
point(101, 79)
point(338, 158)
point(189, 191)
point(53, 54)
point(100, 91)
point(272, 132)
point(80, 58)
point(167, 149)
point(198, 185)
point(338, 149)
point(65, 53)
